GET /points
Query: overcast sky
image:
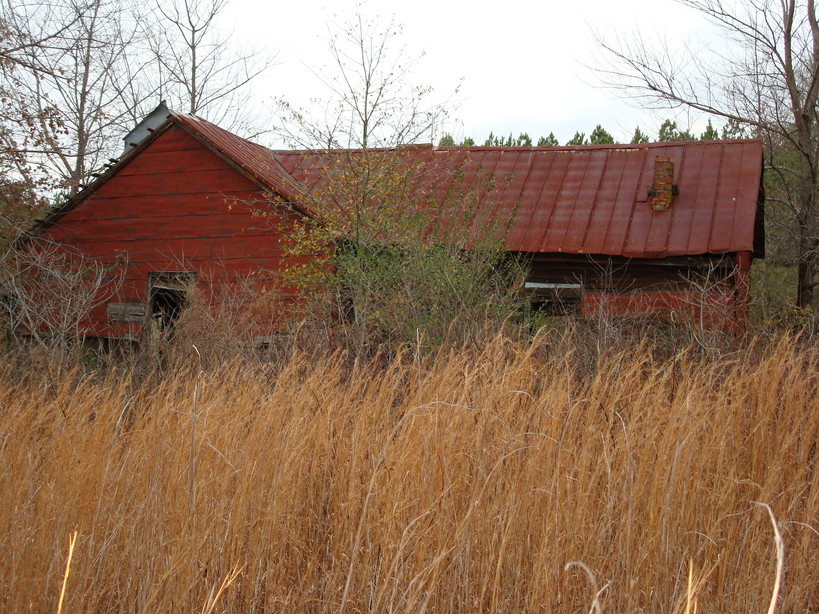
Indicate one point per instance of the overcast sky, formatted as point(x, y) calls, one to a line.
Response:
point(522, 65)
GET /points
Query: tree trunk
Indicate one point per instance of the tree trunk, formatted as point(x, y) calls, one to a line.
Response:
point(807, 256)
point(804, 287)
point(807, 221)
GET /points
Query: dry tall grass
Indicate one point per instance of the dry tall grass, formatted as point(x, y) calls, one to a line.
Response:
point(484, 480)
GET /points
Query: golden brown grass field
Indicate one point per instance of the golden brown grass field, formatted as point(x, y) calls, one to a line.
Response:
point(503, 478)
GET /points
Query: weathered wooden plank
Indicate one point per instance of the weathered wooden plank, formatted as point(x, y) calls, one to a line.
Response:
point(213, 249)
point(239, 269)
point(196, 182)
point(227, 225)
point(626, 277)
point(173, 139)
point(126, 312)
point(150, 161)
point(171, 205)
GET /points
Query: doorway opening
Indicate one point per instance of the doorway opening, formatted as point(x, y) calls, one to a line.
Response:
point(168, 295)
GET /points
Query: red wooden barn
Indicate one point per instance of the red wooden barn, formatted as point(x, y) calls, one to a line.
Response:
point(663, 228)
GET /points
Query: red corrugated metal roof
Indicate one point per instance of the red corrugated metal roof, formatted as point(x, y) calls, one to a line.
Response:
point(594, 199)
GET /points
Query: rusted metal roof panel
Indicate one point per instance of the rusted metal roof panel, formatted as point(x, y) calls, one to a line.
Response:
point(583, 213)
point(608, 192)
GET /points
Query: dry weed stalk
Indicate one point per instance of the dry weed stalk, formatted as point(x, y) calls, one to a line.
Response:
point(780, 557)
point(72, 540)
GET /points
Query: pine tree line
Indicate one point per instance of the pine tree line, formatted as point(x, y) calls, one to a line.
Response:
point(669, 131)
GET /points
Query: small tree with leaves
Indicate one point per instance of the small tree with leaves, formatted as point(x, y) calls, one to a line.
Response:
point(638, 137)
point(400, 246)
point(579, 138)
point(670, 132)
point(710, 133)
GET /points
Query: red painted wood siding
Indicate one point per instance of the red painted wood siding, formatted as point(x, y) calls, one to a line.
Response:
point(178, 206)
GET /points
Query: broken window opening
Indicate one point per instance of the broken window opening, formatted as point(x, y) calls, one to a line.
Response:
point(554, 299)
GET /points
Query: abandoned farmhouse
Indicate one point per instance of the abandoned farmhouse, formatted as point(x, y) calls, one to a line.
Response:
point(666, 229)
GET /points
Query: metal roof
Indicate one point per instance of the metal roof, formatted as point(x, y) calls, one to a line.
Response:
point(594, 199)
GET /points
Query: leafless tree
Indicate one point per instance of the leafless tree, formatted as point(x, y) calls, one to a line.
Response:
point(763, 73)
point(54, 290)
point(202, 72)
point(74, 88)
point(371, 101)
point(23, 30)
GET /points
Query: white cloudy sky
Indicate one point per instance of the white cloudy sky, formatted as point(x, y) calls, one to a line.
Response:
point(522, 65)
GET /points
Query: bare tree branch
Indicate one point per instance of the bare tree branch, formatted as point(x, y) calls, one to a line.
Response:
point(205, 74)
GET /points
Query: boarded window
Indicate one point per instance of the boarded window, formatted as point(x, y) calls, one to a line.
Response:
point(128, 313)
